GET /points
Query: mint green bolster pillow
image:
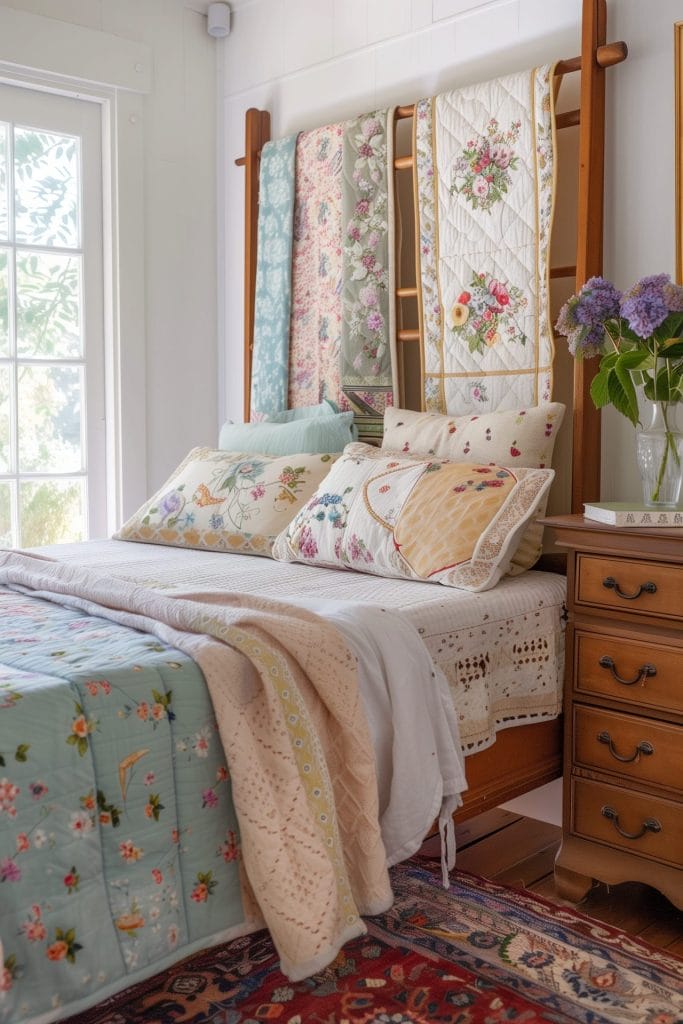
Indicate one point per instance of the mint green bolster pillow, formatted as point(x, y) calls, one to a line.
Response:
point(326, 434)
point(304, 412)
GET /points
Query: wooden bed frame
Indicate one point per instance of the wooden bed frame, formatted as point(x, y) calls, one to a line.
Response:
point(523, 757)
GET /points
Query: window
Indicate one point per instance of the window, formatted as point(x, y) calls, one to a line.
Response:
point(52, 415)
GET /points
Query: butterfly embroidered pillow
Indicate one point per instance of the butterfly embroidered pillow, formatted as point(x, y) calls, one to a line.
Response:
point(227, 501)
point(433, 519)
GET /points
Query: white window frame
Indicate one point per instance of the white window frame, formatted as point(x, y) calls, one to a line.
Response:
point(71, 60)
point(64, 116)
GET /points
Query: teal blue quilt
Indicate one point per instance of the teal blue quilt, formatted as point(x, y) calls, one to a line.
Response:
point(119, 846)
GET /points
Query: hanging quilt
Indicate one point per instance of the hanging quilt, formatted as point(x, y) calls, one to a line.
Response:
point(368, 358)
point(485, 178)
point(342, 320)
point(315, 339)
point(270, 361)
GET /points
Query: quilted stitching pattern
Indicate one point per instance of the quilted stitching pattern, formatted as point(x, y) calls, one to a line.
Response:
point(485, 215)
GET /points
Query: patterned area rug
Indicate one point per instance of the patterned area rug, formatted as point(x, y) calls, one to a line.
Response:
point(477, 954)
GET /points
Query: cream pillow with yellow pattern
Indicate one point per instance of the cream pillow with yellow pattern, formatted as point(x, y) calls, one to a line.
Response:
point(523, 437)
point(227, 501)
point(454, 523)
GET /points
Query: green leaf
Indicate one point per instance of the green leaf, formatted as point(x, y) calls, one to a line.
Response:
point(608, 361)
point(2, 761)
point(599, 389)
point(671, 349)
point(72, 740)
point(630, 360)
point(20, 753)
point(82, 746)
point(623, 401)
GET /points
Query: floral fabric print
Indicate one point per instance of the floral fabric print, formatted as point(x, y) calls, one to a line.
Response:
point(484, 171)
point(520, 437)
point(226, 501)
point(485, 176)
point(270, 361)
point(368, 362)
point(104, 829)
point(315, 334)
point(418, 518)
point(487, 311)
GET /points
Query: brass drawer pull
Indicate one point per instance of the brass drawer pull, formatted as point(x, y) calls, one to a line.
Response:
point(645, 588)
point(644, 747)
point(649, 825)
point(643, 672)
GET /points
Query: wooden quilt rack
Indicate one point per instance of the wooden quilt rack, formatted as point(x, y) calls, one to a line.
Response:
point(527, 756)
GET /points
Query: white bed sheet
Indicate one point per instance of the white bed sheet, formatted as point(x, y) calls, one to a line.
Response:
point(502, 651)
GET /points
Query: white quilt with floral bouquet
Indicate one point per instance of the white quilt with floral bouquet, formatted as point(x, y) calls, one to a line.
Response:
point(486, 181)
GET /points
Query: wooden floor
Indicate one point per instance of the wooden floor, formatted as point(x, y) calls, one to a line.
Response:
point(520, 852)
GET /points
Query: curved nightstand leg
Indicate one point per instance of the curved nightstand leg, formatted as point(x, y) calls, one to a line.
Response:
point(570, 885)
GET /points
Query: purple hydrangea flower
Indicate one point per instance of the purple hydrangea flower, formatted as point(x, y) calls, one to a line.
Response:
point(673, 295)
point(582, 318)
point(598, 301)
point(645, 306)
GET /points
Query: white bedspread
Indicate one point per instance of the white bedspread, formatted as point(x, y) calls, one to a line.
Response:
point(502, 651)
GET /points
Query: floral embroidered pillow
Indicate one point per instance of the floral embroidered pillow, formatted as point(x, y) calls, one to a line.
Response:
point(511, 438)
point(455, 523)
point(227, 501)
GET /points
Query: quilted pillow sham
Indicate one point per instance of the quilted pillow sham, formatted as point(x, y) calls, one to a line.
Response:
point(227, 501)
point(403, 516)
point(317, 435)
point(511, 438)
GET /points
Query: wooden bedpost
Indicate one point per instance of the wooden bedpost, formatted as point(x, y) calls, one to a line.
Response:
point(586, 444)
point(257, 133)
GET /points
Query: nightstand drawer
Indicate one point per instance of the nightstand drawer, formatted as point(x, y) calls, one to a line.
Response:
point(635, 587)
point(644, 825)
point(636, 748)
point(613, 666)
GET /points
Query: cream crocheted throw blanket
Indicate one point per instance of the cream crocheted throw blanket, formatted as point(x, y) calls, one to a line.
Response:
point(284, 688)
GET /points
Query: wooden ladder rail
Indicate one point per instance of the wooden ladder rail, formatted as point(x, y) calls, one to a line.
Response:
point(596, 55)
point(256, 134)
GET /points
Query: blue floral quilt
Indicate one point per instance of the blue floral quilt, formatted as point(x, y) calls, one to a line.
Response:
point(119, 845)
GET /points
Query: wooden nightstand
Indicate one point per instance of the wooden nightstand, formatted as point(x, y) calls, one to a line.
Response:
point(623, 745)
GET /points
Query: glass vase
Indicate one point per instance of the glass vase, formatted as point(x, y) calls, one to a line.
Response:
point(659, 447)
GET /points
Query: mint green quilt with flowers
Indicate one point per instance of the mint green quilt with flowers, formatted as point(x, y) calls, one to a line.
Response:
point(119, 845)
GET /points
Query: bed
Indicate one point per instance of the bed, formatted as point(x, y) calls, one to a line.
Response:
point(139, 823)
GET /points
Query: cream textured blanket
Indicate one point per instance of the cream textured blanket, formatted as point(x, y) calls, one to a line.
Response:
point(284, 688)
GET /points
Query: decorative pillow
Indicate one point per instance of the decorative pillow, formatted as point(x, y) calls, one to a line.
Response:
point(303, 412)
point(319, 435)
point(523, 438)
point(455, 523)
point(223, 501)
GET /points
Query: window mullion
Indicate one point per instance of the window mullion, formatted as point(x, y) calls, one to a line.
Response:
point(12, 322)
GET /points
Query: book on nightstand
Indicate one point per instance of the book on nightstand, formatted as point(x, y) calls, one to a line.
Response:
point(624, 513)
